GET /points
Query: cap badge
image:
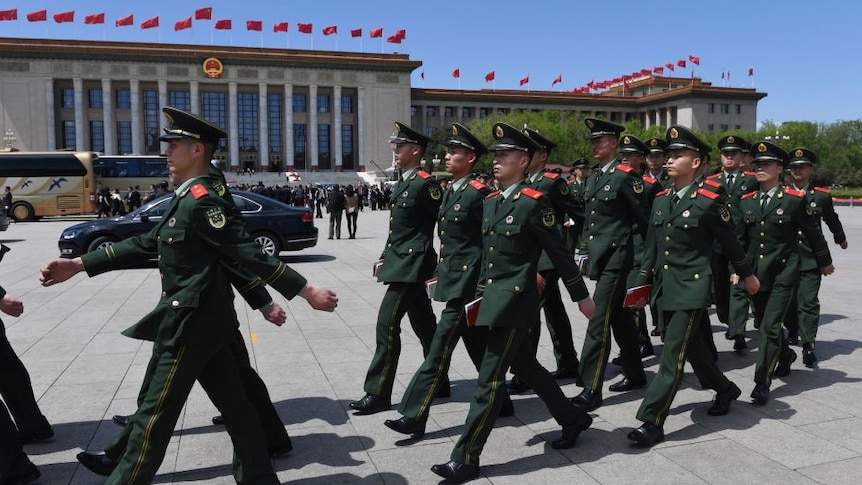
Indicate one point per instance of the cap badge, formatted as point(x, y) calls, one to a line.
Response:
point(731, 139)
point(761, 148)
point(170, 118)
point(404, 194)
point(627, 140)
point(454, 130)
point(674, 133)
point(498, 132)
point(799, 153)
point(653, 142)
point(590, 124)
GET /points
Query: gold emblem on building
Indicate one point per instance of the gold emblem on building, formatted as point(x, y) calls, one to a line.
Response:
point(213, 68)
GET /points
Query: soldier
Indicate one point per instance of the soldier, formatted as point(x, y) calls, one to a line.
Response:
point(459, 226)
point(804, 321)
point(517, 224)
point(408, 261)
point(655, 161)
point(685, 223)
point(614, 205)
point(575, 225)
point(197, 233)
point(771, 219)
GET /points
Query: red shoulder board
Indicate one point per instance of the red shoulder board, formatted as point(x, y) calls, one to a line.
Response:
point(821, 189)
point(707, 194)
point(425, 175)
point(649, 180)
point(476, 184)
point(794, 192)
point(714, 176)
point(624, 168)
point(533, 194)
point(492, 194)
point(712, 183)
point(751, 174)
point(663, 192)
point(748, 195)
point(571, 181)
point(198, 191)
point(550, 175)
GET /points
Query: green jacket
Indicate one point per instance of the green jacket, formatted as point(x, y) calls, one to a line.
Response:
point(555, 188)
point(820, 207)
point(409, 255)
point(460, 229)
point(196, 234)
point(514, 234)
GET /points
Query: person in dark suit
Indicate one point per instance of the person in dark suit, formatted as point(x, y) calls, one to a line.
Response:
point(409, 260)
point(191, 336)
point(685, 222)
point(772, 217)
point(336, 210)
point(517, 224)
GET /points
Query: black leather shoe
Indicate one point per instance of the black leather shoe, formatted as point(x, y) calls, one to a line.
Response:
point(788, 356)
point(508, 409)
point(98, 463)
point(739, 343)
point(793, 337)
point(626, 385)
point(648, 434)
point(29, 437)
point(22, 474)
point(615, 360)
point(122, 419)
point(455, 472)
point(723, 400)
point(588, 400)
point(445, 389)
point(370, 404)
point(571, 373)
point(218, 420)
point(280, 451)
point(571, 433)
point(405, 425)
point(517, 386)
point(808, 355)
point(760, 394)
point(646, 350)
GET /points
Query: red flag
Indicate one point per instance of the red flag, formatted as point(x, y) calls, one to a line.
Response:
point(669, 65)
point(183, 24)
point(728, 75)
point(680, 63)
point(658, 70)
point(39, 16)
point(489, 77)
point(64, 17)
point(525, 80)
point(456, 73)
point(205, 13)
point(722, 74)
point(224, 24)
point(96, 18)
point(150, 23)
point(356, 33)
point(332, 29)
point(304, 28)
point(394, 39)
point(280, 27)
point(644, 72)
point(557, 80)
point(694, 60)
point(254, 25)
point(10, 14)
point(127, 20)
point(376, 33)
point(750, 71)
point(402, 34)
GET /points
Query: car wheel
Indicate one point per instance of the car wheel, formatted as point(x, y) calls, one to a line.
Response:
point(101, 242)
point(23, 211)
point(268, 244)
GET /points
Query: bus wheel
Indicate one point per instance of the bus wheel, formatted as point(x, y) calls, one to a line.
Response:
point(101, 242)
point(23, 211)
point(268, 243)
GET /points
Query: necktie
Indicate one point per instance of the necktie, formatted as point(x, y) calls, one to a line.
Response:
point(674, 201)
point(764, 200)
point(730, 180)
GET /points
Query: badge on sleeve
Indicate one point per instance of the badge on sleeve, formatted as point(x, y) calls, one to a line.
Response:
point(564, 189)
point(724, 213)
point(219, 188)
point(216, 218)
point(434, 192)
point(638, 186)
point(549, 218)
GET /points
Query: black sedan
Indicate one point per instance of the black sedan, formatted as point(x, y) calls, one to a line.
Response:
point(275, 226)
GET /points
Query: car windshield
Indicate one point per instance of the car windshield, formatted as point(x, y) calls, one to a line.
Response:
point(153, 209)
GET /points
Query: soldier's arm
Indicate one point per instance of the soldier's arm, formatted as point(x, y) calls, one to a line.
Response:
point(431, 197)
point(542, 224)
point(808, 225)
point(635, 202)
point(719, 222)
point(830, 217)
point(647, 270)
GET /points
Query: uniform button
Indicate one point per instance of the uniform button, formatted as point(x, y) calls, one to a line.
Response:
point(443, 218)
point(491, 233)
point(762, 223)
point(761, 256)
point(613, 245)
point(685, 226)
point(762, 245)
point(158, 238)
point(667, 238)
point(666, 267)
point(667, 253)
point(696, 276)
point(464, 268)
point(517, 289)
point(162, 275)
point(491, 249)
point(159, 257)
point(441, 245)
point(592, 224)
point(592, 212)
point(389, 245)
point(490, 265)
point(668, 224)
point(591, 237)
point(391, 218)
point(175, 303)
point(490, 280)
point(390, 231)
point(783, 260)
point(410, 251)
point(799, 232)
point(508, 233)
point(593, 200)
point(441, 260)
point(170, 240)
point(442, 232)
point(762, 234)
point(164, 294)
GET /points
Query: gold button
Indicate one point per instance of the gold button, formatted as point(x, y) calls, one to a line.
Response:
point(164, 294)
point(491, 249)
point(410, 251)
point(761, 256)
point(667, 238)
point(517, 288)
point(170, 240)
point(491, 233)
point(490, 265)
point(666, 267)
point(175, 303)
point(441, 260)
point(696, 276)
point(490, 280)
point(668, 224)
point(667, 253)
point(591, 237)
point(464, 268)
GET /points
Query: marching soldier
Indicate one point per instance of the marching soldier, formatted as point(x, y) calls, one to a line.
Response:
point(771, 220)
point(459, 226)
point(804, 321)
point(614, 205)
point(409, 260)
point(517, 224)
point(573, 228)
point(685, 223)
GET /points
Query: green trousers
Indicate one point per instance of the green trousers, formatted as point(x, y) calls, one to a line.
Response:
point(806, 303)
point(507, 347)
point(11, 451)
point(721, 286)
point(771, 309)
point(17, 390)
point(400, 298)
point(683, 340)
point(558, 323)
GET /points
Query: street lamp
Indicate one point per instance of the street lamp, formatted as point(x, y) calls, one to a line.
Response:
point(9, 138)
point(436, 162)
point(777, 138)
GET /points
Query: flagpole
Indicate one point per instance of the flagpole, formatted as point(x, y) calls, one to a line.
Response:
point(336, 41)
point(212, 34)
point(360, 44)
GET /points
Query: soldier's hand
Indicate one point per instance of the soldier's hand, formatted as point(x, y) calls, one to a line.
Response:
point(320, 298)
point(540, 282)
point(752, 284)
point(274, 314)
point(843, 244)
point(827, 270)
point(587, 307)
point(59, 270)
point(11, 306)
point(734, 279)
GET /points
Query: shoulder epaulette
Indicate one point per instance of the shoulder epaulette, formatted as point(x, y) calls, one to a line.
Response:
point(199, 191)
point(707, 193)
point(550, 175)
point(492, 194)
point(649, 180)
point(476, 184)
point(663, 192)
point(821, 189)
point(425, 175)
point(531, 193)
point(712, 183)
point(750, 174)
point(572, 181)
point(794, 192)
point(624, 168)
point(748, 195)
point(714, 176)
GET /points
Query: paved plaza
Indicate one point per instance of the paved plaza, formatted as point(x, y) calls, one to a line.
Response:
point(84, 371)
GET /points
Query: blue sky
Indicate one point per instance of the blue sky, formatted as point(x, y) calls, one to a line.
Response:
point(804, 53)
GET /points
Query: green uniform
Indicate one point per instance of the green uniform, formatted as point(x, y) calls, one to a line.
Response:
point(652, 188)
point(514, 232)
point(679, 243)
point(409, 260)
point(771, 237)
point(189, 330)
point(614, 205)
point(573, 232)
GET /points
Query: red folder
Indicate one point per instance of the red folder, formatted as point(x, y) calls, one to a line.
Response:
point(472, 310)
point(376, 267)
point(431, 287)
point(636, 294)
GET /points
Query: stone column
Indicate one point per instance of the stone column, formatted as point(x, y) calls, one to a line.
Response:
point(135, 108)
point(311, 143)
point(360, 129)
point(263, 127)
point(289, 163)
point(194, 94)
point(336, 129)
point(163, 101)
point(80, 129)
point(50, 114)
point(233, 126)
point(108, 118)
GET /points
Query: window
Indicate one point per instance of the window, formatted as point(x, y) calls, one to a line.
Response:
point(214, 109)
point(431, 111)
point(323, 103)
point(467, 113)
point(180, 99)
point(414, 111)
point(711, 108)
point(483, 112)
point(738, 127)
point(323, 153)
point(502, 111)
point(429, 132)
point(346, 104)
point(725, 127)
point(69, 135)
point(300, 103)
point(67, 98)
point(739, 109)
point(95, 99)
point(247, 108)
point(299, 145)
point(97, 136)
point(448, 111)
point(124, 137)
point(273, 118)
point(124, 99)
point(710, 127)
point(725, 108)
point(347, 146)
point(151, 121)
